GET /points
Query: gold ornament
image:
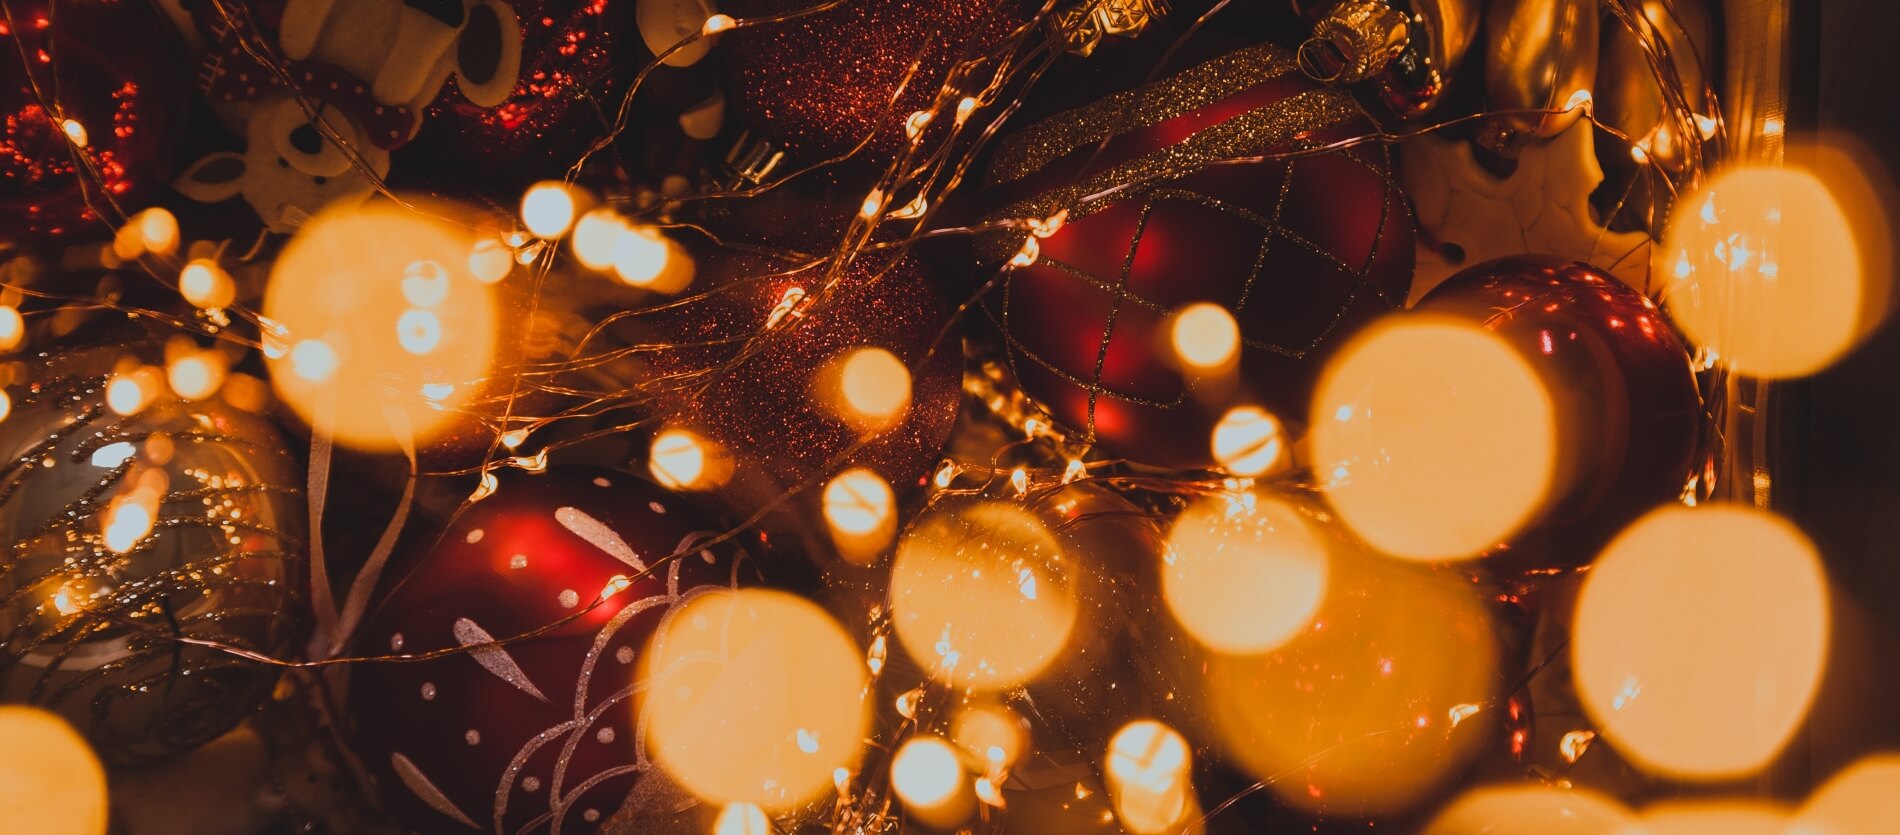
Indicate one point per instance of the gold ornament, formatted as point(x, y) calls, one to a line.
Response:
point(1410, 48)
point(1084, 26)
point(1540, 55)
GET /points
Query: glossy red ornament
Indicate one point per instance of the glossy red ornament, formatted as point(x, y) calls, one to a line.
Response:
point(100, 71)
point(515, 737)
point(1628, 410)
point(1302, 251)
point(818, 85)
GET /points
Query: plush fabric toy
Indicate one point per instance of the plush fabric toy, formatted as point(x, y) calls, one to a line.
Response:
point(323, 90)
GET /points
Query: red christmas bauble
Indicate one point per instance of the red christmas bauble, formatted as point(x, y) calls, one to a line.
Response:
point(820, 84)
point(518, 736)
point(1628, 410)
point(90, 93)
point(1301, 251)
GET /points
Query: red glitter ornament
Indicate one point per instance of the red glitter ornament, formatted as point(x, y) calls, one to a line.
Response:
point(541, 733)
point(1628, 409)
point(88, 93)
point(1301, 251)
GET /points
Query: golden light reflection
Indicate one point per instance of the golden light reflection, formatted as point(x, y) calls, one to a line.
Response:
point(1711, 817)
point(982, 595)
point(1205, 337)
point(375, 304)
point(1148, 777)
point(862, 512)
point(1765, 270)
point(1433, 438)
point(1700, 637)
point(742, 819)
point(547, 209)
point(51, 783)
point(1245, 573)
point(992, 734)
point(753, 696)
point(206, 285)
point(867, 387)
point(927, 776)
point(1531, 810)
point(1247, 441)
point(1857, 801)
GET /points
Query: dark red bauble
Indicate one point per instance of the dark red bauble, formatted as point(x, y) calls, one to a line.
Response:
point(769, 411)
point(512, 737)
point(818, 85)
point(1302, 251)
point(577, 59)
point(1628, 410)
point(104, 70)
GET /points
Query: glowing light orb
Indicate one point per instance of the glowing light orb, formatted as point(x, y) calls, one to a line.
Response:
point(197, 375)
point(75, 132)
point(928, 777)
point(862, 512)
point(868, 388)
point(982, 595)
point(12, 327)
point(595, 236)
point(682, 460)
point(157, 229)
point(1205, 336)
point(547, 209)
point(6, 405)
point(1707, 817)
point(1433, 437)
point(1531, 810)
point(1764, 269)
point(490, 261)
point(50, 781)
point(753, 696)
point(1247, 441)
point(742, 819)
point(1700, 637)
point(993, 734)
point(1148, 777)
point(1244, 574)
point(206, 285)
point(128, 394)
point(374, 305)
point(1857, 801)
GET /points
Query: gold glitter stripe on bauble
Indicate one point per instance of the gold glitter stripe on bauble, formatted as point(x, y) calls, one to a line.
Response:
point(1253, 133)
point(1027, 151)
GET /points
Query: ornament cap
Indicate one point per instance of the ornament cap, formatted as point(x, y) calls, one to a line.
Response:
point(1354, 41)
point(1085, 25)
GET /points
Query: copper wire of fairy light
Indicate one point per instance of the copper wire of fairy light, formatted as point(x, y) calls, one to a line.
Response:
point(930, 167)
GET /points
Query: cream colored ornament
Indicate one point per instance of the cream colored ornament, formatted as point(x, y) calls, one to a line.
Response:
point(1543, 206)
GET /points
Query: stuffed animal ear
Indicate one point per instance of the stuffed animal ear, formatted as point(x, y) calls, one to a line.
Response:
point(488, 55)
point(302, 25)
point(214, 179)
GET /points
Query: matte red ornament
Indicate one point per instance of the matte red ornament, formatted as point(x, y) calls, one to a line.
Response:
point(1628, 410)
point(89, 94)
point(1302, 251)
point(820, 84)
point(518, 736)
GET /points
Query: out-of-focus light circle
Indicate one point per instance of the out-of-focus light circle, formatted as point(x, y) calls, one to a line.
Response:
point(1764, 270)
point(490, 261)
point(128, 393)
point(1700, 637)
point(547, 209)
point(742, 819)
point(1205, 336)
point(595, 236)
point(206, 285)
point(376, 305)
point(1531, 810)
point(993, 735)
point(50, 781)
point(1243, 574)
point(868, 387)
point(982, 595)
point(1148, 777)
point(196, 376)
point(1433, 438)
point(1247, 441)
point(1858, 801)
point(12, 327)
point(158, 230)
point(639, 255)
point(753, 696)
point(862, 512)
point(6, 405)
point(682, 460)
point(926, 773)
point(1733, 817)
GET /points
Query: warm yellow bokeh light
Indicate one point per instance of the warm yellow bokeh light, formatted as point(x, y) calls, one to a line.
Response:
point(867, 387)
point(1433, 438)
point(206, 285)
point(992, 734)
point(1700, 637)
point(12, 327)
point(1247, 441)
point(128, 393)
point(742, 819)
point(376, 305)
point(753, 696)
point(490, 261)
point(1860, 800)
point(862, 513)
point(1531, 809)
point(595, 236)
point(684, 460)
point(1706, 817)
point(926, 774)
point(197, 375)
point(1205, 336)
point(157, 230)
point(1764, 270)
point(645, 257)
point(75, 131)
point(1243, 573)
point(547, 209)
point(982, 595)
point(125, 523)
point(1148, 777)
point(6, 405)
point(51, 783)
